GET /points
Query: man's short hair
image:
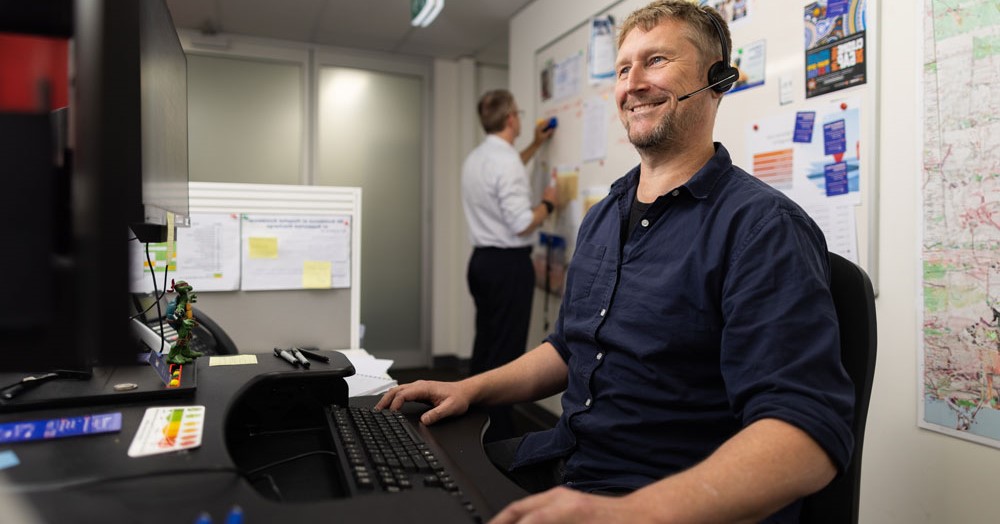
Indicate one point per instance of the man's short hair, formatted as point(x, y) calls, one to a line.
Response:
point(701, 32)
point(494, 108)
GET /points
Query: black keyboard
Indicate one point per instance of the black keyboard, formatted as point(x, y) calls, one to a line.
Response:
point(384, 453)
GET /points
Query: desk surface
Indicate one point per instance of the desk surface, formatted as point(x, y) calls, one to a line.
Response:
point(91, 478)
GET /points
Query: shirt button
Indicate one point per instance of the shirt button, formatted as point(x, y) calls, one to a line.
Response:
point(645, 223)
point(587, 403)
point(603, 312)
point(675, 192)
point(600, 356)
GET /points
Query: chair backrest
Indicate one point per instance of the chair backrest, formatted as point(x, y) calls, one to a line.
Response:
point(854, 299)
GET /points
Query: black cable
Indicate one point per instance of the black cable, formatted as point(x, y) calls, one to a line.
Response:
point(157, 294)
point(256, 470)
point(159, 313)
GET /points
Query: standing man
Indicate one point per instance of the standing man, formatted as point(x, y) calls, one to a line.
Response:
point(496, 195)
point(697, 346)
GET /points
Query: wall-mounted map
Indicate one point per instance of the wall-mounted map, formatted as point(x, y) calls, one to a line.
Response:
point(960, 360)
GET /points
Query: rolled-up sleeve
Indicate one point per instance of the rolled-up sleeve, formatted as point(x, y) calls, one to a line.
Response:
point(782, 360)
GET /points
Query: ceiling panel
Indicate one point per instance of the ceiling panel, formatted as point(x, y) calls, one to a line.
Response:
point(465, 28)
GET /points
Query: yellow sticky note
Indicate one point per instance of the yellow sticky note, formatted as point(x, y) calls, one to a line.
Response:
point(316, 274)
point(263, 247)
point(170, 227)
point(567, 184)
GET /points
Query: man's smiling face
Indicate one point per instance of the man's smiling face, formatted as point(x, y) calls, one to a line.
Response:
point(654, 68)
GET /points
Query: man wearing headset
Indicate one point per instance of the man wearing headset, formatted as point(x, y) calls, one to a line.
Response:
point(697, 346)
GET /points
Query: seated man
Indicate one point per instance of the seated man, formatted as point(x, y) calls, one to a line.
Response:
point(697, 346)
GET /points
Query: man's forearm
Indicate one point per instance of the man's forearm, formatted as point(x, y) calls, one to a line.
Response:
point(762, 469)
point(538, 215)
point(530, 151)
point(537, 374)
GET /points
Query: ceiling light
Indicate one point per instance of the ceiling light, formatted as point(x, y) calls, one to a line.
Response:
point(423, 12)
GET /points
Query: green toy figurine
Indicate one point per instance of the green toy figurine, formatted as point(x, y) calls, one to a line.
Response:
point(183, 321)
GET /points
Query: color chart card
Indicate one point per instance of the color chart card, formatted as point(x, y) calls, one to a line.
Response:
point(167, 429)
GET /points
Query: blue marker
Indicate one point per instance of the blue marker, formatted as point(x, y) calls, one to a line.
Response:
point(553, 122)
point(235, 516)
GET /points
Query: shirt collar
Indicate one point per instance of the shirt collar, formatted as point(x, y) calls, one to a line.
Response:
point(699, 186)
point(496, 140)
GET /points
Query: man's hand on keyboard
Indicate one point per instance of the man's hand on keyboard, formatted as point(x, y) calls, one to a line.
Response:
point(448, 398)
point(564, 505)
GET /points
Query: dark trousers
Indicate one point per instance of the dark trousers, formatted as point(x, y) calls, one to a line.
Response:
point(502, 283)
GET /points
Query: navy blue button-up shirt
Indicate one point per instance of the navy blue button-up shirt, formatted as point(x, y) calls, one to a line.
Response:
point(714, 313)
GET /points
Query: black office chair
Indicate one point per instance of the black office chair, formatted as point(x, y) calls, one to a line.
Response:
point(214, 339)
point(854, 299)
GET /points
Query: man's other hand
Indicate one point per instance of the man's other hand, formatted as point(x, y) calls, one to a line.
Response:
point(448, 398)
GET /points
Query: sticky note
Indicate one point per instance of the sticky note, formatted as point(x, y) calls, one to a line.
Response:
point(232, 360)
point(8, 459)
point(263, 247)
point(316, 274)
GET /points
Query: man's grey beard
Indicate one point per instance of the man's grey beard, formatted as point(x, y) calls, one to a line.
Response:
point(665, 136)
point(659, 138)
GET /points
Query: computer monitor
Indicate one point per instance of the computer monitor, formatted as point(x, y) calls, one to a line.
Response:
point(164, 129)
point(125, 167)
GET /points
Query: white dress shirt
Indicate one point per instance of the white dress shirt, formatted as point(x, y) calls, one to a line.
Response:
point(496, 195)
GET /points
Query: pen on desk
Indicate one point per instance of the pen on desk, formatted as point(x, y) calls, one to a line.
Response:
point(284, 354)
point(298, 356)
point(313, 356)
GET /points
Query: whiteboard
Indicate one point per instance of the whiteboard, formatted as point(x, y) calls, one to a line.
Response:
point(770, 36)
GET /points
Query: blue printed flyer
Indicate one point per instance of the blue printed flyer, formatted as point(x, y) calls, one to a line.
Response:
point(60, 427)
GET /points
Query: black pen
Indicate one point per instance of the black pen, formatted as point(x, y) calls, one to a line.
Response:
point(313, 356)
point(283, 353)
point(298, 356)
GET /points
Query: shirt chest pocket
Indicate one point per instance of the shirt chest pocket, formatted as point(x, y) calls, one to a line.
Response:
point(584, 269)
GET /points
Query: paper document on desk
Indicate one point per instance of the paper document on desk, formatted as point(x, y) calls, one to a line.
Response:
point(165, 429)
point(371, 375)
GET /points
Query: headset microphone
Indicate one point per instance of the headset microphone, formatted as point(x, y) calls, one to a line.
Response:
point(721, 75)
point(730, 78)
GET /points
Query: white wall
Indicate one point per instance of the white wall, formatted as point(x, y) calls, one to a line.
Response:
point(457, 88)
point(909, 475)
point(451, 324)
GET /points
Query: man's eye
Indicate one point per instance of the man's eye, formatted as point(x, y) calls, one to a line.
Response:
point(623, 72)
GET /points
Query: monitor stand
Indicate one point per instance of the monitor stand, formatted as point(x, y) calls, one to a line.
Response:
point(106, 385)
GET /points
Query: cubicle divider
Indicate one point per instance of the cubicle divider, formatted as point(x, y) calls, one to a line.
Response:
point(297, 259)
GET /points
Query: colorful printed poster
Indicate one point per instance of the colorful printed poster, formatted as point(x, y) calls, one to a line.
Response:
point(835, 45)
point(812, 155)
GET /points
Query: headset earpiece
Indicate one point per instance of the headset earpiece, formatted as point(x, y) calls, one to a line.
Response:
point(722, 77)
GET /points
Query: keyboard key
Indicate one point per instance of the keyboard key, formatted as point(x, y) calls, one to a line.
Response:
point(383, 452)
